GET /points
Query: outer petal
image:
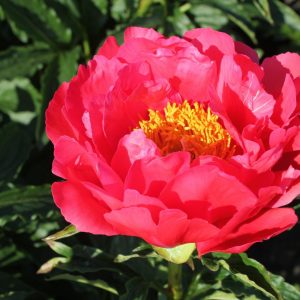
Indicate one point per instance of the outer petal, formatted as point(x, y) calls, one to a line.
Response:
point(80, 208)
point(110, 47)
point(212, 42)
point(57, 123)
point(76, 163)
point(133, 221)
point(139, 32)
point(174, 228)
point(264, 226)
point(246, 50)
point(282, 80)
point(290, 61)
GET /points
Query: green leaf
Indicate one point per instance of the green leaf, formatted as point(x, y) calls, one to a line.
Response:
point(80, 279)
point(66, 232)
point(20, 208)
point(221, 13)
point(180, 21)
point(143, 7)
point(249, 272)
point(219, 295)
point(51, 264)
point(89, 259)
point(38, 21)
point(15, 147)
point(68, 64)
point(136, 289)
point(26, 200)
point(60, 248)
point(122, 258)
point(263, 6)
point(23, 61)
point(287, 22)
point(28, 194)
point(121, 9)
point(208, 16)
point(19, 99)
point(212, 264)
point(94, 14)
point(288, 291)
point(69, 14)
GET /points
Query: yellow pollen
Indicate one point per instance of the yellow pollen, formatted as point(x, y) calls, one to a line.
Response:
point(188, 128)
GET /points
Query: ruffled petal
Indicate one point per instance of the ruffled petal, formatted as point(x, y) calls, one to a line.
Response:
point(150, 176)
point(264, 226)
point(81, 209)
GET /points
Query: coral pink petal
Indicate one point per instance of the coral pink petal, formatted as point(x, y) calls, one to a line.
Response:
point(207, 184)
point(171, 228)
point(264, 226)
point(238, 113)
point(57, 123)
point(133, 221)
point(134, 198)
point(274, 75)
point(211, 39)
point(139, 32)
point(246, 50)
point(193, 79)
point(81, 209)
point(287, 102)
point(199, 230)
point(289, 196)
point(132, 147)
point(100, 194)
point(76, 163)
point(150, 176)
point(242, 76)
point(72, 161)
point(291, 62)
point(110, 48)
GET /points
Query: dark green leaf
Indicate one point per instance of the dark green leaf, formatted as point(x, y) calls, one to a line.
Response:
point(286, 20)
point(29, 194)
point(288, 291)
point(14, 150)
point(19, 99)
point(38, 21)
point(68, 64)
point(264, 8)
point(136, 289)
point(80, 279)
point(249, 272)
point(22, 61)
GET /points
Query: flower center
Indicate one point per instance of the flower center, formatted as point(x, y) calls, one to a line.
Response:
point(189, 128)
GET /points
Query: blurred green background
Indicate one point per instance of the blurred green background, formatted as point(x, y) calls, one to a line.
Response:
point(42, 42)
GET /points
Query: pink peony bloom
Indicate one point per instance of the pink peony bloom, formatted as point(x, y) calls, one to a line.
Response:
point(179, 140)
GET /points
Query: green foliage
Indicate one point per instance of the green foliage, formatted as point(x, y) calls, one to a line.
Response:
point(42, 44)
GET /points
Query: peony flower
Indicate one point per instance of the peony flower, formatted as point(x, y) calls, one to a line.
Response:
point(179, 140)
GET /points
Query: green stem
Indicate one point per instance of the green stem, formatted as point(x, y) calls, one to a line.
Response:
point(174, 281)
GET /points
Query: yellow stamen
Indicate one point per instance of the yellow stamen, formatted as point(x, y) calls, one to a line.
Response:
point(189, 128)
